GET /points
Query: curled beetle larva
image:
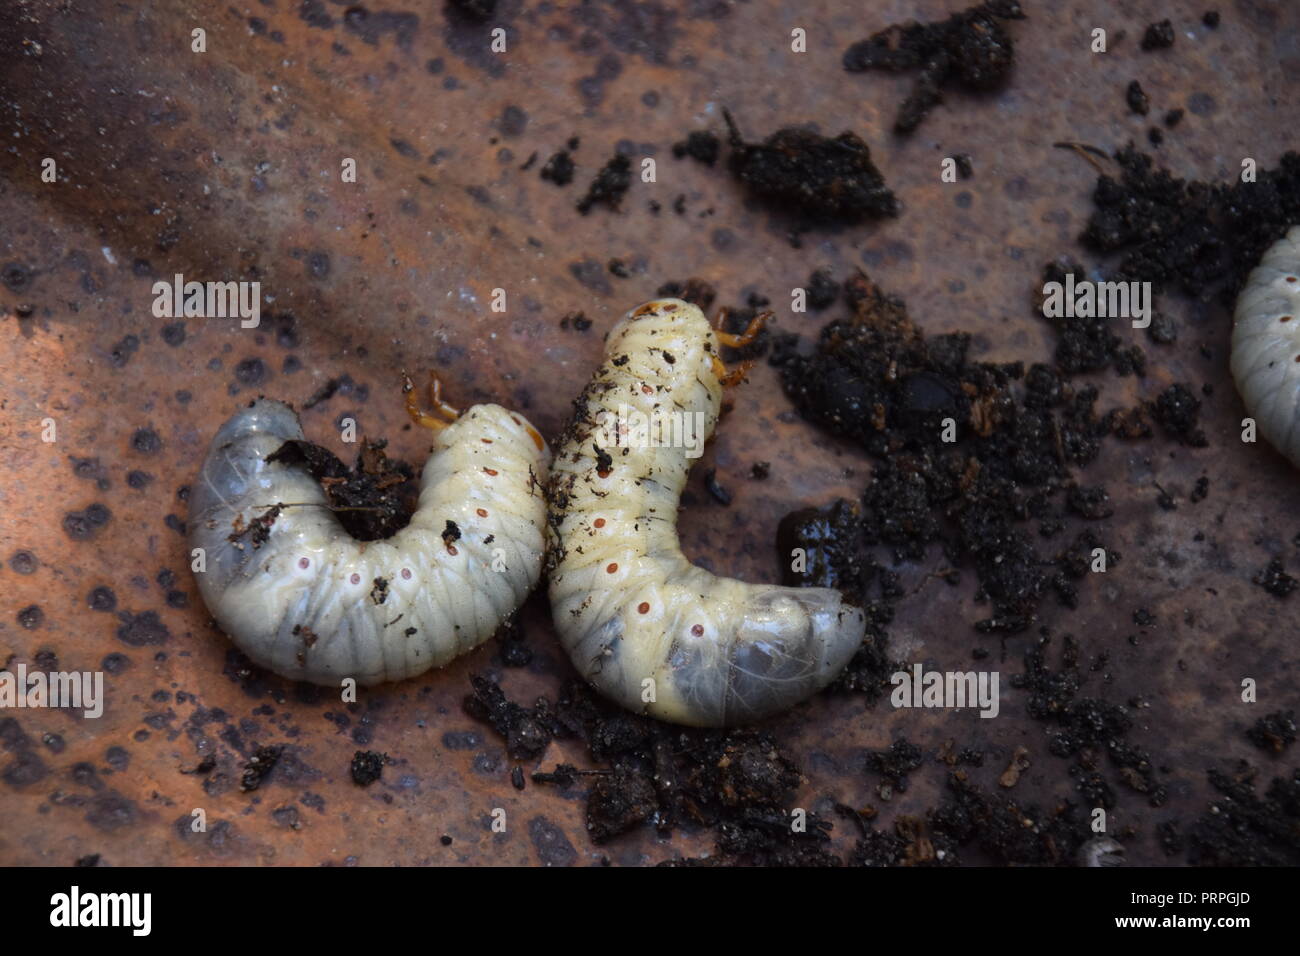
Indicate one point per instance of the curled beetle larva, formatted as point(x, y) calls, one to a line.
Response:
point(1266, 345)
point(303, 598)
point(640, 622)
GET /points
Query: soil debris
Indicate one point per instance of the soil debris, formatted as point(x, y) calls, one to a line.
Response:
point(971, 50)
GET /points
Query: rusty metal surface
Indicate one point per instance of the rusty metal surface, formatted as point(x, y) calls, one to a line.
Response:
point(225, 165)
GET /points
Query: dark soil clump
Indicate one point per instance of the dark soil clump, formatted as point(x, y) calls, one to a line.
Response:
point(1202, 238)
point(737, 783)
point(971, 50)
point(816, 179)
point(372, 500)
point(607, 189)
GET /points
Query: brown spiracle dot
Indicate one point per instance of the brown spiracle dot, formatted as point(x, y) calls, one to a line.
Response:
point(1290, 279)
point(486, 441)
point(406, 574)
point(355, 579)
point(491, 472)
point(1285, 318)
point(643, 607)
point(669, 307)
point(304, 563)
point(481, 512)
point(647, 389)
point(698, 630)
point(451, 549)
point(612, 567)
point(599, 522)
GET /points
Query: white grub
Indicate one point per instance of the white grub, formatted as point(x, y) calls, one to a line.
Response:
point(1266, 345)
point(640, 622)
point(311, 603)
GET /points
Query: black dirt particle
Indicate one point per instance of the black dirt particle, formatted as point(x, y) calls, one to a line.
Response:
point(1211, 19)
point(251, 372)
point(367, 767)
point(592, 275)
point(700, 145)
point(576, 321)
point(15, 276)
point(513, 121)
point(820, 180)
point(451, 532)
point(121, 353)
point(618, 802)
point(1090, 503)
point(971, 49)
point(31, 617)
point(91, 470)
point(1178, 411)
point(1162, 329)
point(173, 333)
point(1173, 118)
point(895, 763)
point(607, 189)
point(1158, 36)
point(552, 846)
point(1274, 733)
point(318, 264)
point(139, 630)
point(823, 290)
point(25, 769)
point(1171, 841)
point(102, 599)
point(558, 169)
point(479, 11)
point(697, 292)
point(1275, 580)
point(314, 14)
point(258, 767)
point(86, 524)
point(146, 441)
point(527, 732)
point(1137, 99)
point(720, 494)
point(23, 562)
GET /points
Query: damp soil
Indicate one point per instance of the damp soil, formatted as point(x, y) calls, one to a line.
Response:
point(973, 51)
point(373, 499)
